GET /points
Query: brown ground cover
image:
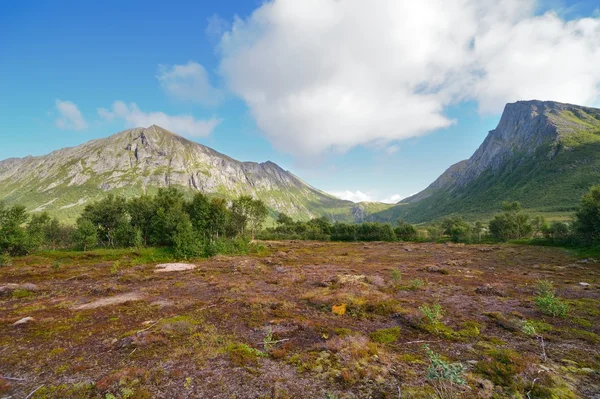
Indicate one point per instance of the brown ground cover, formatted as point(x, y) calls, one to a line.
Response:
point(299, 320)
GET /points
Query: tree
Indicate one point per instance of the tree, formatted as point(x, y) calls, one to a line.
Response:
point(247, 213)
point(557, 232)
point(107, 215)
point(169, 217)
point(343, 232)
point(512, 224)
point(14, 239)
point(86, 234)
point(218, 218)
point(141, 212)
point(36, 229)
point(405, 231)
point(199, 211)
point(587, 217)
point(458, 229)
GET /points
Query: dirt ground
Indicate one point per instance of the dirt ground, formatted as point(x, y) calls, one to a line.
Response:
point(299, 320)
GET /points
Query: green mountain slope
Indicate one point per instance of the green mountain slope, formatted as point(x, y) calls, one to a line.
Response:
point(544, 154)
point(141, 160)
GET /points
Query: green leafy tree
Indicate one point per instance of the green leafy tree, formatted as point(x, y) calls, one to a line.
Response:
point(513, 223)
point(85, 235)
point(14, 239)
point(170, 216)
point(108, 215)
point(36, 229)
point(186, 241)
point(247, 215)
point(284, 219)
point(405, 231)
point(218, 218)
point(343, 232)
point(199, 211)
point(587, 217)
point(142, 211)
point(458, 229)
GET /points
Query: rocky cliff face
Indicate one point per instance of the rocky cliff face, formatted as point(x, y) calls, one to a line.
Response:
point(141, 160)
point(542, 153)
point(524, 127)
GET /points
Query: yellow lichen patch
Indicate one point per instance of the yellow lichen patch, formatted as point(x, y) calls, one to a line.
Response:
point(339, 309)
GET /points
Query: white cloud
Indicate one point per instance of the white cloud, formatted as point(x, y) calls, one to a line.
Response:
point(185, 125)
point(359, 196)
point(216, 26)
point(188, 82)
point(354, 196)
point(70, 117)
point(392, 199)
point(330, 75)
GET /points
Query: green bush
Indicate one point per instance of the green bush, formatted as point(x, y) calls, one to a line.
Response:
point(512, 224)
point(433, 313)
point(445, 378)
point(547, 301)
point(5, 260)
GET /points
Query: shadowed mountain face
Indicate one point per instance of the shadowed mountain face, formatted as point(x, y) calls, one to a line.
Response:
point(544, 154)
point(141, 160)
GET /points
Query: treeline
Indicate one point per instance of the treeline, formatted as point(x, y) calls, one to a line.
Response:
point(197, 227)
point(513, 223)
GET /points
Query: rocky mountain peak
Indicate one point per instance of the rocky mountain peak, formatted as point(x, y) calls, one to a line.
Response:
point(524, 127)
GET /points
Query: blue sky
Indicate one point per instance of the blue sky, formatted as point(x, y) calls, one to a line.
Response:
point(364, 103)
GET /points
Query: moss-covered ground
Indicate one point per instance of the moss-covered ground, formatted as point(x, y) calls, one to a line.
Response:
point(299, 320)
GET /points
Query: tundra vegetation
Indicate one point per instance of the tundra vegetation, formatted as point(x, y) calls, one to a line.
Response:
point(339, 311)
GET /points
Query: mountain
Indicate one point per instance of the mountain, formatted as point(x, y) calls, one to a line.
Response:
point(141, 160)
point(544, 154)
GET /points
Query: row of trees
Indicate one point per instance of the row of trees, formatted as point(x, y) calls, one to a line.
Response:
point(195, 227)
point(512, 223)
point(204, 226)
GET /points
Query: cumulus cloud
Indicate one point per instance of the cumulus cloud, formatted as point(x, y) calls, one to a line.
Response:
point(216, 26)
point(70, 117)
point(359, 196)
point(330, 75)
point(185, 125)
point(189, 82)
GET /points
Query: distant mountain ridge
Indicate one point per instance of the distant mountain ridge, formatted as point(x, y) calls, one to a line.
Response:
point(543, 153)
point(141, 160)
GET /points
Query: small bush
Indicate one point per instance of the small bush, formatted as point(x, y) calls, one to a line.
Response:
point(444, 377)
point(5, 260)
point(396, 276)
point(547, 302)
point(433, 314)
point(243, 355)
point(416, 283)
point(544, 287)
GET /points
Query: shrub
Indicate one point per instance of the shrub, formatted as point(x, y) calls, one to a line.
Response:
point(5, 260)
point(512, 224)
point(405, 231)
point(547, 302)
point(587, 217)
point(433, 314)
point(551, 306)
point(416, 283)
point(396, 276)
point(445, 378)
